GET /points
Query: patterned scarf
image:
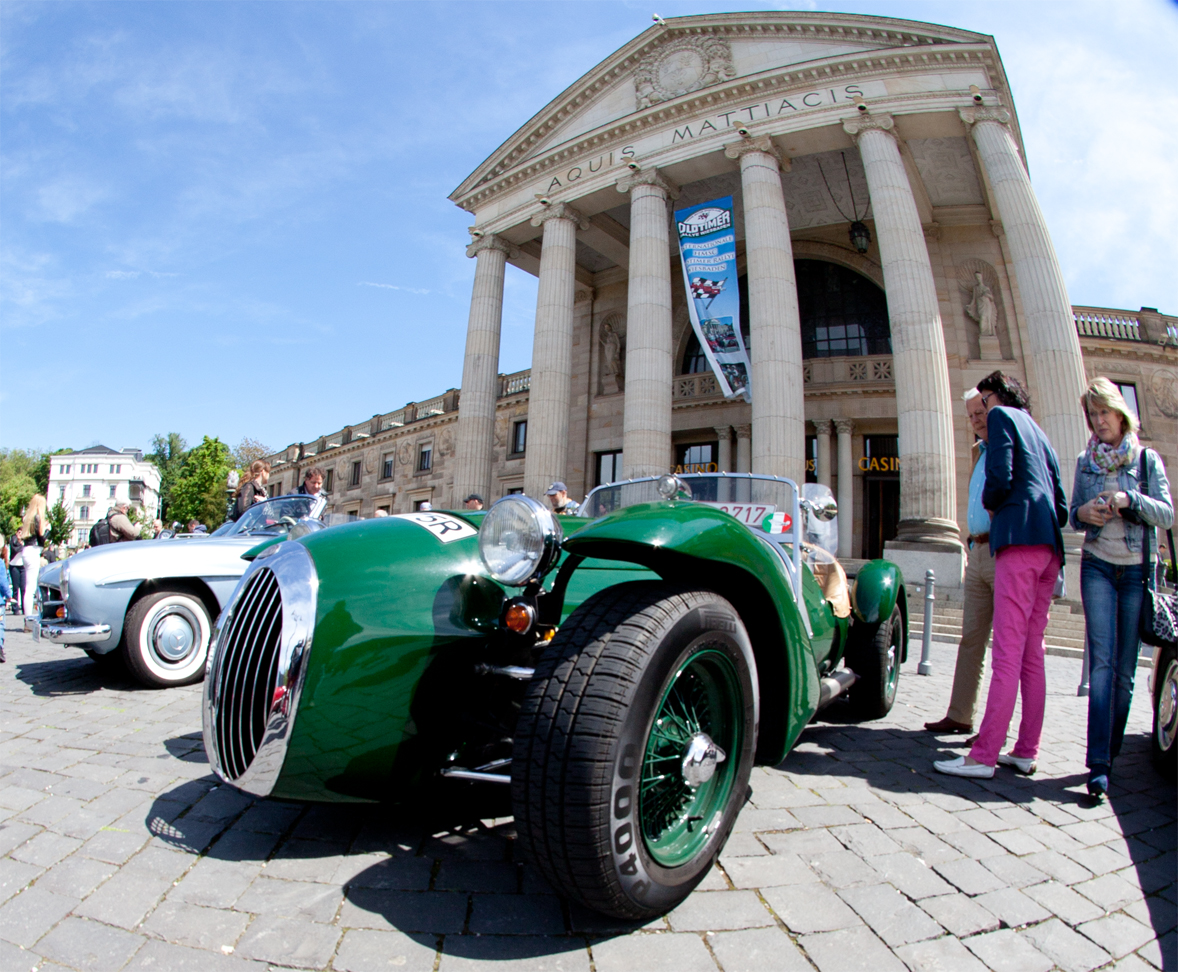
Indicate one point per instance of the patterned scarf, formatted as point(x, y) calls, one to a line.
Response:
point(1105, 458)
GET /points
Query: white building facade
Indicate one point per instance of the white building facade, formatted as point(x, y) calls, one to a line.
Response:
point(88, 483)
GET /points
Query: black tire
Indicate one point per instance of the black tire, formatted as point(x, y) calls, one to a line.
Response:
point(166, 638)
point(1165, 714)
point(583, 736)
point(875, 658)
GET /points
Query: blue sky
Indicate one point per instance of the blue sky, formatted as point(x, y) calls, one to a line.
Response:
point(231, 218)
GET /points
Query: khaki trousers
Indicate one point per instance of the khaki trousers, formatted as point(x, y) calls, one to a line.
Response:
point(976, 623)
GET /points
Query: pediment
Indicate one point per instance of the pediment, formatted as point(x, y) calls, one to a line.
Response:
point(692, 54)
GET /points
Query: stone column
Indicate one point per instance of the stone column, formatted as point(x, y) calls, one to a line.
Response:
point(928, 487)
point(552, 350)
point(779, 424)
point(474, 447)
point(846, 494)
point(724, 459)
point(646, 441)
point(822, 426)
point(744, 450)
point(1051, 327)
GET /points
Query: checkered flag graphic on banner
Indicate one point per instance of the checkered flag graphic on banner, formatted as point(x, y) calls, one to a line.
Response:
point(704, 289)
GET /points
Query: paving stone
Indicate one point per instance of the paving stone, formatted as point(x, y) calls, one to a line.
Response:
point(910, 875)
point(479, 953)
point(291, 899)
point(1117, 934)
point(1005, 951)
point(827, 816)
point(757, 950)
point(653, 953)
point(755, 820)
point(766, 872)
point(127, 898)
point(974, 845)
point(15, 876)
point(1012, 907)
point(714, 911)
point(927, 846)
point(113, 846)
point(935, 819)
point(363, 950)
point(1161, 953)
point(883, 815)
point(29, 915)
point(866, 840)
point(969, 876)
point(269, 817)
point(215, 884)
point(46, 849)
point(807, 844)
point(945, 954)
point(844, 869)
point(1089, 832)
point(962, 916)
point(1013, 871)
point(288, 941)
point(516, 914)
point(14, 959)
point(482, 876)
point(1063, 901)
point(1069, 950)
point(188, 924)
point(408, 911)
point(1016, 842)
point(89, 945)
point(1099, 860)
point(1109, 891)
point(890, 915)
point(1056, 865)
point(809, 908)
point(850, 950)
point(744, 845)
point(76, 876)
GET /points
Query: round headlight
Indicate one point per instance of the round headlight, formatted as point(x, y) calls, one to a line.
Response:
point(519, 539)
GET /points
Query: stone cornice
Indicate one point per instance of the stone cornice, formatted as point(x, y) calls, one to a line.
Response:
point(516, 166)
point(490, 241)
point(648, 177)
point(560, 210)
point(757, 143)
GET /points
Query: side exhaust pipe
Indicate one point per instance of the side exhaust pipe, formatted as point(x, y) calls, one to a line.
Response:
point(834, 685)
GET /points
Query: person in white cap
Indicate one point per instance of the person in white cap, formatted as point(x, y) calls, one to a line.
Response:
point(558, 496)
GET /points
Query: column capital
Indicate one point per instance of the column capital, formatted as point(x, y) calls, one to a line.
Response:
point(971, 116)
point(844, 426)
point(649, 177)
point(490, 241)
point(560, 210)
point(822, 426)
point(723, 431)
point(759, 143)
point(856, 126)
point(744, 431)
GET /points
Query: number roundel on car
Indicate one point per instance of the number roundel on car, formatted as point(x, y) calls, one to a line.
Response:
point(445, 528)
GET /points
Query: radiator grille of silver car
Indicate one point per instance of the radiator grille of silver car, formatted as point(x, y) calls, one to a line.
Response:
point(247, 674)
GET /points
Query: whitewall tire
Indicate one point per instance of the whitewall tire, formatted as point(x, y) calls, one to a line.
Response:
point(166, 638)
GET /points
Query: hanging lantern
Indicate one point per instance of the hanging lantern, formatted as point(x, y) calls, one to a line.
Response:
point(860, 236)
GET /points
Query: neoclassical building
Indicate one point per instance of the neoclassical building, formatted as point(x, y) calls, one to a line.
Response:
point(890, 252)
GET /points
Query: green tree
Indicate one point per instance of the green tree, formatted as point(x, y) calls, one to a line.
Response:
point(169, 455)
point(199, 490)
point(247, 450)
point(61, 525)
point(18, 482)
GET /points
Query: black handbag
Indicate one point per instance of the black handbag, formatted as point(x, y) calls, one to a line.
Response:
point(1159, 609)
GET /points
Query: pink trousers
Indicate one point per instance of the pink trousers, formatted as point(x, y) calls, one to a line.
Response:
point(1024, 579)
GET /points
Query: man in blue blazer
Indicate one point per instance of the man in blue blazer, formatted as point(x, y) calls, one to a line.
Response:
point(1027, 504)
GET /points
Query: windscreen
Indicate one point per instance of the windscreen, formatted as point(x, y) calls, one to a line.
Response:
point(274, 516)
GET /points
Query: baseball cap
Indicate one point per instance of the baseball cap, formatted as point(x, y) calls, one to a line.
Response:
point(557, 487)
point(473, 496)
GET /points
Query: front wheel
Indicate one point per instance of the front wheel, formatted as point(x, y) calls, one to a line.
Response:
point(166, 638)
point(634, 747)
point(1165, 713)
point(876, 660)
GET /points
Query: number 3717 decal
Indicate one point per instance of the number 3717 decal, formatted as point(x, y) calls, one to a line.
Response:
point(445, 528)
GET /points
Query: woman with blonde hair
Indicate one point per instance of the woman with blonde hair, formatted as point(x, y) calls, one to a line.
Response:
point(253, 487)
point(1121, 494)
point(33, 527)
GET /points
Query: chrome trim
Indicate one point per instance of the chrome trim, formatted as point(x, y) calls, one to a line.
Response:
point(66, 632)
point(458, 773)
point(511, 671)
point(234, 655)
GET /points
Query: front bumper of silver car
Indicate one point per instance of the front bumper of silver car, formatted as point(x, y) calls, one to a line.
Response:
point(66, 632)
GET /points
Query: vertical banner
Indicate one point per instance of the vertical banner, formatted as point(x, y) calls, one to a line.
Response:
point(707, 246)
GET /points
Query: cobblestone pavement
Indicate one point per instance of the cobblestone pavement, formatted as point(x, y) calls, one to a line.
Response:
point(120, 851)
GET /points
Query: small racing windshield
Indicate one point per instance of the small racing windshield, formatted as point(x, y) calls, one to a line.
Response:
point(275, 516)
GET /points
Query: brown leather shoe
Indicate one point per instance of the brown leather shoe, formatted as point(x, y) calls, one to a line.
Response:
point(948, 727)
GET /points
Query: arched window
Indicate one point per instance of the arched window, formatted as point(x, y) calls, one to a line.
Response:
point(843, 313)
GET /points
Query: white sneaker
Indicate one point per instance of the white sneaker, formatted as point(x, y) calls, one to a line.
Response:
point(1024, 766)
point(959, 767)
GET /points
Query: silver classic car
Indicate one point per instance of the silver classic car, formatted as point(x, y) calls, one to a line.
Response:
point(151, 604)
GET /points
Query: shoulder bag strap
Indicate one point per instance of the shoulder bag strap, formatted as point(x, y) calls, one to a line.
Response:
point(1143, 488)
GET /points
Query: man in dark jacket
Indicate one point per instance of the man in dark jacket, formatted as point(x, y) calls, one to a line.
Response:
point(1027, 505)
point(312, 482)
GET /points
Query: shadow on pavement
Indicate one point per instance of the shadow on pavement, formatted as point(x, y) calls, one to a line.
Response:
point(75, 674)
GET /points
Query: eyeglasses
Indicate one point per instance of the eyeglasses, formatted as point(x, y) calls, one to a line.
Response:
point(985, 397)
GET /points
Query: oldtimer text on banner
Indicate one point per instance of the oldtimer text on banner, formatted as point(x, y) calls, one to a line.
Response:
point(707, 245)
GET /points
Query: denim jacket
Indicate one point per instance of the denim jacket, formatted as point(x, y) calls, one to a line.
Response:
point(1155, 509)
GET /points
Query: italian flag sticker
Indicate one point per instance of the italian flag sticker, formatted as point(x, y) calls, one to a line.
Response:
point(777, 523)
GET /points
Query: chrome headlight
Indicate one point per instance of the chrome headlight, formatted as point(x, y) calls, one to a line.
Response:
point(64, 578)
point(519, 540)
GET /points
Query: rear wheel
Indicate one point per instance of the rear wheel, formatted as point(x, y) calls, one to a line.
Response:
point(166, 638)
point(1165, 713)
point(876, 660)
point(634, 746)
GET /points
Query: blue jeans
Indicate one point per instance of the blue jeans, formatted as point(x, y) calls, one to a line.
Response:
point(1112, 611)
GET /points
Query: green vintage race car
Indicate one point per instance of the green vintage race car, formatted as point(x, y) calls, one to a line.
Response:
point(621, 670)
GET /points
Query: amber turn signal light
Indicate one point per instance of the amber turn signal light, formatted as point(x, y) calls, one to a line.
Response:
point(61, 612)
point(519, 617)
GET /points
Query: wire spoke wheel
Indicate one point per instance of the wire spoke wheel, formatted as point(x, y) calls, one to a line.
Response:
point(702, 699)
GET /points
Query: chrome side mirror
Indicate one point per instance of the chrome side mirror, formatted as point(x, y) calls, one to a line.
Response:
point(824, 507)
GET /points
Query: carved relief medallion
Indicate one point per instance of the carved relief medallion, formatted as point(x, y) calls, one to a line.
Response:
point(684, 65)
point(447, 442)
point(405, 454)
point(1164, 385)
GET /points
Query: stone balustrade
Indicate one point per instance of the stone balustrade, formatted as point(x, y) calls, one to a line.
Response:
point(515, 384)
point(1105, 322)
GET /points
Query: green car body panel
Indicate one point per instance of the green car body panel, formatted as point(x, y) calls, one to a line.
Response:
point(393, 599)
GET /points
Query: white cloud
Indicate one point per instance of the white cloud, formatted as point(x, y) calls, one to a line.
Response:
point(383, 286)
point(122, 274)
point(63, 200)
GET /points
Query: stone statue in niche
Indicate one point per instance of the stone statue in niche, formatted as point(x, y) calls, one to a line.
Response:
point(612, 359)
point(982, 307)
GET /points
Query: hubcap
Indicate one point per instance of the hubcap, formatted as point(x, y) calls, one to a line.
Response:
point(687, 778)
point(174, 635)
point(1168, 708)
point(892, 674)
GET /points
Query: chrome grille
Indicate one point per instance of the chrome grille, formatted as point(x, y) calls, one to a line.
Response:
point(248, 673)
